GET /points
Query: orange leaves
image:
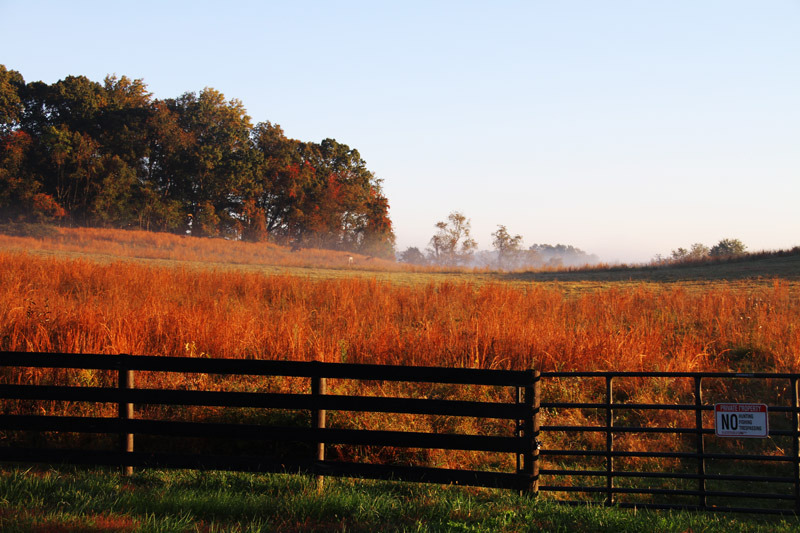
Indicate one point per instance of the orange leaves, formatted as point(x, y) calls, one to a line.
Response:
point(46, 208)
point(14, 144)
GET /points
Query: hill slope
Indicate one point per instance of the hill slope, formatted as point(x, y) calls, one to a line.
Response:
point(784, 265)
point(110, 245)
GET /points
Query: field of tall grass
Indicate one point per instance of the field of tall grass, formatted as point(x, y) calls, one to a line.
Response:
point(81, 305)
point(100, 291)
point(56, 304)
point(136, 244)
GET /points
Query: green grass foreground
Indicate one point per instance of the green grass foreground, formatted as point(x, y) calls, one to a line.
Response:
point(67, 500)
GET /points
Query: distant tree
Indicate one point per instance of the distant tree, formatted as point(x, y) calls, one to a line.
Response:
point(21, 196)
point(254, 222)
point(727, 248)
point(375, 235)
point(76, 103)
point(561, 255)
point(698, 251)
point(206, 222)
point(116, 202)
point(125, 122)
point(282, 176)
point(412, 256)
point(452, 244)
point(508, 247)
point(211, 170)
point(680, 254)
point(71, 170)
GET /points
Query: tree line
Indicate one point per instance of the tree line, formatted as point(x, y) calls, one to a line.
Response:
point(109, 154)
point(453, 245)
point(699, 252)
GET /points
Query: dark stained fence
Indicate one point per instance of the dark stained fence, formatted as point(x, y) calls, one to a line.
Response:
point(519, 411)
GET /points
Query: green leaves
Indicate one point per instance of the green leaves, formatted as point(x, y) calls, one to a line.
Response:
point(10, 102)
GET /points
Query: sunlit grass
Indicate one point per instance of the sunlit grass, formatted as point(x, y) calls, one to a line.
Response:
point(84, 306)
point(170, 250)
point(77, 500)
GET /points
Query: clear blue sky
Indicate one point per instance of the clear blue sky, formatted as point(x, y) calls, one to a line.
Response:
point(625, 128)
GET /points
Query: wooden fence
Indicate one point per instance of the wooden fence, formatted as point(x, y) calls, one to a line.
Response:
point(625, 453)
point(521, 412)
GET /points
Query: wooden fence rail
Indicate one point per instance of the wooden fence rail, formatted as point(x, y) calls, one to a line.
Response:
point(317, 435)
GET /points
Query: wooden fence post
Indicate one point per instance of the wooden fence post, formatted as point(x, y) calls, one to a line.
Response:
point(537, 401)
point(125, 380)
point(318, 388)
point(531, 426)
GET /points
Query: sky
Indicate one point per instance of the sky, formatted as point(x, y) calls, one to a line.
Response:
point(624, 128)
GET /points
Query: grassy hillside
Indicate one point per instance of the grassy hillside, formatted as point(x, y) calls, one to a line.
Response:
point(161, 249)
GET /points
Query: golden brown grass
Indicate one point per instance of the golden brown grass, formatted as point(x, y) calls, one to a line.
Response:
point(61, 298)
point(112, 244)
point(52, 304)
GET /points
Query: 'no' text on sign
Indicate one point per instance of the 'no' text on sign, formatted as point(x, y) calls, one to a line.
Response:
point(741, 420)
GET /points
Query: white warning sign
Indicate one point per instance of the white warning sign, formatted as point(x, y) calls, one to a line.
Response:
point(741, 420)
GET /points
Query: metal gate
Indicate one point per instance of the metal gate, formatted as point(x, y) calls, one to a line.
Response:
point(600, 444)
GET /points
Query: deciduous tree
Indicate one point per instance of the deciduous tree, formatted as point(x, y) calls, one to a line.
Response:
point(727, 248)
point(109, 154)
point(451, 244)
point(412, 255)
point(11, 82)
point(508, 247)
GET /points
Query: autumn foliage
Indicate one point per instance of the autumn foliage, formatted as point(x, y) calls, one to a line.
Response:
point(110, 155)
